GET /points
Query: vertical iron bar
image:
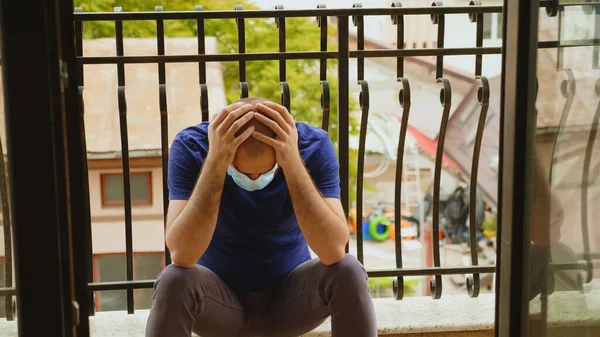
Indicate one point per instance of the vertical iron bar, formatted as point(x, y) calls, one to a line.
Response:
point(6, 223)
point(322, 23)
point(343, 112)
point(560, 51)
point(483, 96)
point(285, 88)
point(202, 67)
point(398, 20)
point(477, 18)
point(201, 46)
point(364, 125)
point(596, 48)
point(359, 23)
point(446, 101)
point(280, 22)
point(242, 49)
point(125, 161)
point(164, 123)
point(85, 181)
point(325, 94)
point(584, 192)
point(405, 101)
point(439, 20)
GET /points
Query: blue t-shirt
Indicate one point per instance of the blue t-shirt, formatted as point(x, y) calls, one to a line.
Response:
point(257, 241)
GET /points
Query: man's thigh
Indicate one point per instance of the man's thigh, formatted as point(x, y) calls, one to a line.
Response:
point(298, 305)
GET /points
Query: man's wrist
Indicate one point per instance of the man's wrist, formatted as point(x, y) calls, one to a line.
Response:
point(291, 162)
point(215, 162)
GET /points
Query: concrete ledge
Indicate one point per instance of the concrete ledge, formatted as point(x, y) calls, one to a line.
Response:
point(451, 316)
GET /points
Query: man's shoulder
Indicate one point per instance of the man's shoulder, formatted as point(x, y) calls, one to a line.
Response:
point(311, 141)
point(309, 133)
point(197, 134)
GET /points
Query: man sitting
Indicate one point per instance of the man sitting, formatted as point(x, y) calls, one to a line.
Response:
point(242, 214)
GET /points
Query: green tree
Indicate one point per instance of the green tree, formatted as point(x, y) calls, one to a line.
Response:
point(302, 34)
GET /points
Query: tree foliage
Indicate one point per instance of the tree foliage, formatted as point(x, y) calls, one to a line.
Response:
point(302, 34)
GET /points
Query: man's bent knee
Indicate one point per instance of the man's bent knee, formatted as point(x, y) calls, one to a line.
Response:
point(174, 277)
point(348, 270)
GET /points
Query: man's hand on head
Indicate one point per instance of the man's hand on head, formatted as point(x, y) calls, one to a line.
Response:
point(223, 142)
point(277, 118)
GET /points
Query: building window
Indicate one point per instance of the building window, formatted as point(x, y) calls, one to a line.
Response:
point(112, 188)
point(107, 268)
point(492, 26)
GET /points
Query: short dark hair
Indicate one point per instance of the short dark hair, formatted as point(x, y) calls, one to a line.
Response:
point(259, 127)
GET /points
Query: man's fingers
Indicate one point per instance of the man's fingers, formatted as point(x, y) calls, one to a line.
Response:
point(233, 116)
point(266, 139)
point(271, 124)
point(223, 113)
point(245, 135)
point(238, 124)
point(283, 111)
point(276, 116)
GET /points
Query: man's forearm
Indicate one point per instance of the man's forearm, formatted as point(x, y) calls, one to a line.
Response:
point(190, 233)
point(325, 231)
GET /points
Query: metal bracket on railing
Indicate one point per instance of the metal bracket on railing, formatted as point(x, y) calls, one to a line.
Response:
point(404, 99)
point(204, 101)
point(552, 8)
point(446, 102)
point(244, 91)
point(439, 19)
point(567, 89)
point(587, 160)
point(325, 105)
point(363, 100)
point(285, 95)
point(483, 97)
point(398, 21)
point(589, 9)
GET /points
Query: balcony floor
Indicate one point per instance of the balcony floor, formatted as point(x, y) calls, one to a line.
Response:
point(451, 316)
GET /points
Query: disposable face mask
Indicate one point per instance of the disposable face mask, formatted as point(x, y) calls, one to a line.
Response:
point(248, 184)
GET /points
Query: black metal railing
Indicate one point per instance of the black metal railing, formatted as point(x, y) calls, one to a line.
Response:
point(342, 55)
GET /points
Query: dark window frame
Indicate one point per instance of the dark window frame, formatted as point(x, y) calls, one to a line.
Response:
point(110, 203)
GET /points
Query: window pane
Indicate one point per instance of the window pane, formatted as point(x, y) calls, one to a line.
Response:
point(139, 187)
point(113, 185)
point(147, 267)
point(487, 25)
point(111, 268)
point(499, 25)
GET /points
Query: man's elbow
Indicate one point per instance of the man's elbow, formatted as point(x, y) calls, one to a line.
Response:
point(333, 257)
point(180, 261)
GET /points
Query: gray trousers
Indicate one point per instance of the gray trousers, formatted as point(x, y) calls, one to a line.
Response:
point(197, 300)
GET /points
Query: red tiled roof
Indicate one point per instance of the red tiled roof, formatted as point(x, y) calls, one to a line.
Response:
point(428, 145)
